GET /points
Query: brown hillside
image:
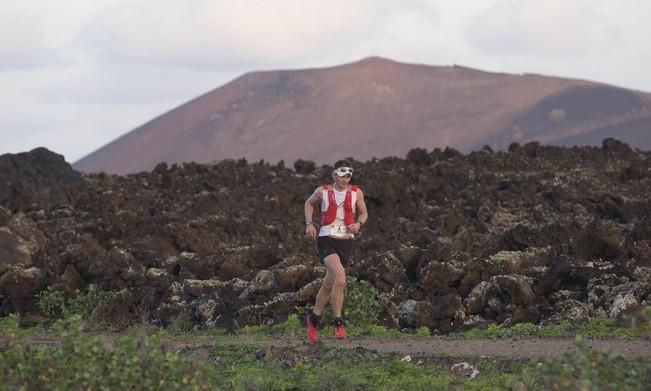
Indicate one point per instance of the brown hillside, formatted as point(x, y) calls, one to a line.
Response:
point(373, 108)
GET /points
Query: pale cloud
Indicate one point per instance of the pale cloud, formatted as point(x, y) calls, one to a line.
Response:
point(76, 111)
point(124, 84)
point(24, 43)
point(550, 28)
point(598, 40)
point(77, 74)
point(70, 129)
point(204, 33)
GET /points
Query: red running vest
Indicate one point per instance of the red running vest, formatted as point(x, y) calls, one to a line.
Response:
point(330, 214)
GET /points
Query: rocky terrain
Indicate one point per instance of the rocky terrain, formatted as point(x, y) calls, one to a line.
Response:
point(532, 234)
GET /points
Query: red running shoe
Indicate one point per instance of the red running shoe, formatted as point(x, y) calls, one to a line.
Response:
point(311, 327)
point(340, 332)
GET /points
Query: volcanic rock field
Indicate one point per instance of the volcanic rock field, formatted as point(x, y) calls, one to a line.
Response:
point(534, 233)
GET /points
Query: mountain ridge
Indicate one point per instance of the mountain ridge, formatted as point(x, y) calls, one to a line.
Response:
point(374, 107)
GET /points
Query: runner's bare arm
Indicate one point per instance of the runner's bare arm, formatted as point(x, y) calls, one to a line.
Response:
point(312, 201)
point(360, 205)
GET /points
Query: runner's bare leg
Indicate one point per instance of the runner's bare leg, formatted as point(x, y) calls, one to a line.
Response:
point(337, 284)
point(323, 296)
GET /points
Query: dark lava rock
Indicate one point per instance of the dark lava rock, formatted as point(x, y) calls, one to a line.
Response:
point(37, 179)
point(533, 234)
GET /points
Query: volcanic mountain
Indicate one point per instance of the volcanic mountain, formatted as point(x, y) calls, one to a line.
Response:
point(376, 108)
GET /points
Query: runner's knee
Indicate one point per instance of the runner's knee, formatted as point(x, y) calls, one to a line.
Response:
point(340, 280)
point(328, 284)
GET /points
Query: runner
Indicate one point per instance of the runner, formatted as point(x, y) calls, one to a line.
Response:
point(339, 202)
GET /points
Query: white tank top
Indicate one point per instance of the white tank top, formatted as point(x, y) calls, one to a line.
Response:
point(337, 229)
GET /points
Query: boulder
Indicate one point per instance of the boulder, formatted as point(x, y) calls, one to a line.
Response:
point(308, 292)
point(447, 306)
point(479, 296)
point(526, 314)
point(516, 287)
point(573, 311)
point(199, 288)
point(20, 242)
point(20, 285)
point(414, 314)
point(37, 179)
point(439, 274)
point(122, 310)
point(292, 278)
point(554, 277)
point(387, 272)
point(623, 302)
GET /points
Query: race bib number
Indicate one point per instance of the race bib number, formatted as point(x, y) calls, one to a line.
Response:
point(338, 229)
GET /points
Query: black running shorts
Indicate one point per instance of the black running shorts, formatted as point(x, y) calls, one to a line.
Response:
point(328, 246)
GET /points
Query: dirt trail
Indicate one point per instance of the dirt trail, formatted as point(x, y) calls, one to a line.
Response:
point(525, 348)
point(507, 348)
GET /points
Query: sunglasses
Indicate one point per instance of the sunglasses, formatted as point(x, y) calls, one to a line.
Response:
point(342, 171)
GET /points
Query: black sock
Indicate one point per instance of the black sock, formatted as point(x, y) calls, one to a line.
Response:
point(338, 321)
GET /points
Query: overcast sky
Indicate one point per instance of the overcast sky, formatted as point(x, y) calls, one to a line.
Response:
point(77, 74)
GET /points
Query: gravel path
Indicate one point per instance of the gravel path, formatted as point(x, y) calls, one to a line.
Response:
point(513, 348)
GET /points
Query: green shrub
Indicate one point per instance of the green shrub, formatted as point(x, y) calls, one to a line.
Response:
point(361, 307)
point(518, 330)
point(258, 329)
point(292, 324)
point(9, 323)
point(423, 332)
point(344, 370)
point(334, 380)
point(51, 302)
point(492, 331)
point(374, 330)
point(180, 324)
point(602, 326)
point(562, 329)
point(587, 369)
point(597, 327)
point(521, 330)
point(54, 304)
point(85, 362)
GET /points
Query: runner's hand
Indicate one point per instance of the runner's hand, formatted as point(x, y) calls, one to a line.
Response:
point(310, 231)
point(354, 228)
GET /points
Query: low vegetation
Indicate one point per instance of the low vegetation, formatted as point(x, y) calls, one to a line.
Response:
point(587, 370)
point(84, 361)
point(598, 327)
point(76, 357)
point(81, 303)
